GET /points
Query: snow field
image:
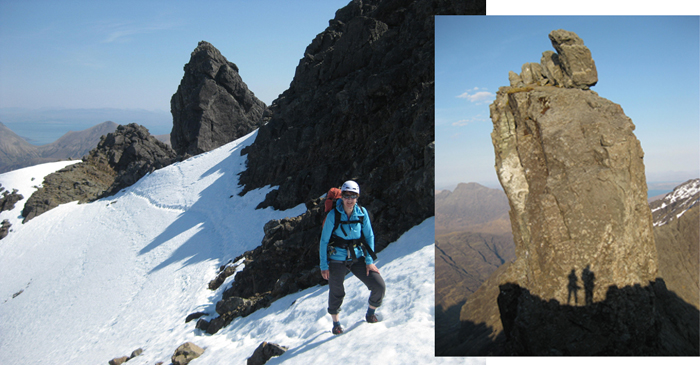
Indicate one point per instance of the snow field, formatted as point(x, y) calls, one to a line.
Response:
point(85, 283)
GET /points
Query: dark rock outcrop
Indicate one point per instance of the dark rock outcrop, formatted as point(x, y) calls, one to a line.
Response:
point(193, 316)
point(7, 202)
point(212, 105)
point(264, 352)
point(587, 263)
point(4, 228)
point(224, 272)
point(285, 262)
point(119, 160)
point(119, 360)
point(9, 199)
point(132, 153)
point(360, 106)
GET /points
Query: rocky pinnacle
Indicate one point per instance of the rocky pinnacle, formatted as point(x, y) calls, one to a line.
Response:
point(573, 171)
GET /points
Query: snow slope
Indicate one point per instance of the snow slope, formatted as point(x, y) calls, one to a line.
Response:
point(27, 181)
point(676, 203)
point(85, 283)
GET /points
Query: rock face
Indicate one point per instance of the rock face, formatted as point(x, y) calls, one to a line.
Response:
point(360, 107)
point(119, 160)
point(574, 175)
point(212, 105)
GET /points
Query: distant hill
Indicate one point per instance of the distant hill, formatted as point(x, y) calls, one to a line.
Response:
point(471, 207)
point(676, 226)
point(14, 149)
point(16, 153)
point(472, 240)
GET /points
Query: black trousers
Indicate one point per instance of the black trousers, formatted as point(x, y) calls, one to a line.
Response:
point(336, 291)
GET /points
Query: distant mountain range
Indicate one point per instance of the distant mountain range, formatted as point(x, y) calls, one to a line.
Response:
point(465, 256)
point(472, 240)
point(676, 231)
point(45, 125)
point(16, 152)
point(471, 207)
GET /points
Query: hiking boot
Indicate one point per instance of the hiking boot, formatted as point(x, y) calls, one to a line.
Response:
point(337, 330)
point(371, 318)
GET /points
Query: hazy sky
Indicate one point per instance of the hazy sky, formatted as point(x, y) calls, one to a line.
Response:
point(647, 64)
point(130, 54)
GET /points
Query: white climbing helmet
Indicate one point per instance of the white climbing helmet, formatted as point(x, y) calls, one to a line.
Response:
point(351, 186)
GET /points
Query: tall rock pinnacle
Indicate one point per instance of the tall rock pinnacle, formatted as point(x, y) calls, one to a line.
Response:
point(585, 278)
point(212, 105)
point(574, 175)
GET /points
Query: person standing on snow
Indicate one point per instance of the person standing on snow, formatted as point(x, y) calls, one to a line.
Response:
point(342, 250)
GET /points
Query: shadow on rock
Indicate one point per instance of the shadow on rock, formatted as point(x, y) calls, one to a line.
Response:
point(632, 320)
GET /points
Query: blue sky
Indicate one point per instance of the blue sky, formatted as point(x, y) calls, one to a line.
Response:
point(647, 64)
point(130, 54)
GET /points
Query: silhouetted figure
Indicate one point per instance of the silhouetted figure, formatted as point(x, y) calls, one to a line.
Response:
point(573, 287)
point(588, 283)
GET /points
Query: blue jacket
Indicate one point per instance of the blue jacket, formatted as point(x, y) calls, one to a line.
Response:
point(352, 230)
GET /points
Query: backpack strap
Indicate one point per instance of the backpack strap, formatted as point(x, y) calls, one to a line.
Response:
point(350, 245)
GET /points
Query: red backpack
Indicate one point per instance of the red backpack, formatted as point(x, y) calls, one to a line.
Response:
point(331, 197)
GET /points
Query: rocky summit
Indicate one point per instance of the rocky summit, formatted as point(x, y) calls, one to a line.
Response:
point(571, 66)
point(585, 280)
point(574, 175)
point(212, 105)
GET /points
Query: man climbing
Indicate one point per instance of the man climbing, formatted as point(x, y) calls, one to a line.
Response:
point(347, 245)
